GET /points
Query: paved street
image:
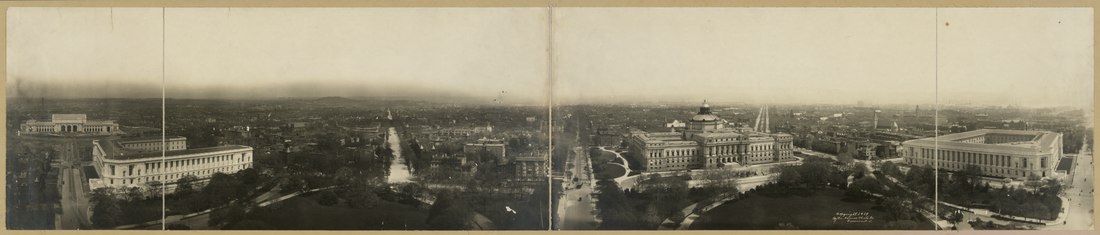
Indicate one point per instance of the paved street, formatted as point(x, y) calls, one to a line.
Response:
point(74, 201)
point(1079, 194)
point(578, 214)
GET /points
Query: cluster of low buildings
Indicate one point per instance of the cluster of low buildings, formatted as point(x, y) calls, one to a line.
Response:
point(529, 166)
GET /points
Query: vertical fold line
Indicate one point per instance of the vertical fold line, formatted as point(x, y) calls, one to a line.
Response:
point(936, 120)
point(163, 145)
point(550, 116)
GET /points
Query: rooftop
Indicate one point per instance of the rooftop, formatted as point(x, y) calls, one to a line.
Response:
point(182, 152)
point(56, 117)
point(114, 150)
point(720, 134)
point(1041, 141)
point(151, 138)
point(536, 156)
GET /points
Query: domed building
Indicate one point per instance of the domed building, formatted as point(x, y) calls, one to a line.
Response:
point(704, 120)
point(707, 143)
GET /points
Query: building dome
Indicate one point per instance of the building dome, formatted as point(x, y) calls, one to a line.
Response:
point(704, 114)
point(705, 118)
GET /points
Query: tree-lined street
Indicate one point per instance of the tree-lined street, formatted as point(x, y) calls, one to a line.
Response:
point(74, 200)
point(1079, 193)
point(580, 210)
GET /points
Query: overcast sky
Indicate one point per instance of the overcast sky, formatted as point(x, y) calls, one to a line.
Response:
point(822, 55)
point(273, 52)
point(1031, 57)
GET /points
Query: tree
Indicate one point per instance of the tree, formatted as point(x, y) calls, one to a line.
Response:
point(899, 208)
point(815, 174)
point(595, 154)
point(249, 177)
point(969, 176)
point(921, 179)
point(891, 169)
point(415, 145)
point(865, 184)
point(1051, 187)
point(518, 144)
point(186, 185)
point(412, 189)
point(838, 179)
point(344, 175)
point(652, 214)
point(614, 209)
point(669, 194)
point(106, 212)
point(449, 212)
point(133, 194)
point(360, 196)
point(328, 143)
point(535, 211)
point(222, 189)
point(294, 184)
point(315, 182)
point(789, 175)
point(155, 187)
point(845, 157)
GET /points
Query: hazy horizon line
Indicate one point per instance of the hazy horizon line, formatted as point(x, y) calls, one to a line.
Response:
point(473, 100)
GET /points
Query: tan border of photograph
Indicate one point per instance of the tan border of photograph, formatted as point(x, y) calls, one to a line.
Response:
point(537, 3)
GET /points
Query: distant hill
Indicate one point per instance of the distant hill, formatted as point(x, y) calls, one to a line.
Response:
point(335, 99)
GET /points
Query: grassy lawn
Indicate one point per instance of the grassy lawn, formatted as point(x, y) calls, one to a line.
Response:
point(304, 213)
point(815, 211)
point(603, 170)
point(609, 171)
point(604, 156)
point(617, 160)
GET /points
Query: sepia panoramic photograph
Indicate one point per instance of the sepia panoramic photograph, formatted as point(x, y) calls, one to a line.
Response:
point(278, 119)
point(549, 118)
point(823, 119)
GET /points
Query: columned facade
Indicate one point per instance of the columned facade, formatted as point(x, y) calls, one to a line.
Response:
point(69, 123)
point(707, 143)
point(998, 153)
point(119, 166)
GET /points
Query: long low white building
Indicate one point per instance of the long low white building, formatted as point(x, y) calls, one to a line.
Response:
point(139, 163)
point(1000, 153)
point(69, 123)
